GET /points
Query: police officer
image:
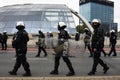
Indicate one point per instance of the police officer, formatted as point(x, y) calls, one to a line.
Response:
point(87, 41)
point(4, 40)
point(63, 37)
point(41, 44)
point(96, 48)
point(113, 41)
point(1, 40)
point(20, 44)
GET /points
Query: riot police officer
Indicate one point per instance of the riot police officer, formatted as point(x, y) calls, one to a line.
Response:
point(1, 40)
point(96, 47)
point(20, 44)
point(4, 40)
point(113, 41)
point(87, 41)
point(63, 37)
point(41, 44)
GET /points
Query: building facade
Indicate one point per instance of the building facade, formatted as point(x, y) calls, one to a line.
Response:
point(99, 9)
point(36, 17)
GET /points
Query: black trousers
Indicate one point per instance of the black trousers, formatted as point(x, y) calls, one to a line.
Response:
point(113, 50)
point(66, 60)
point(97, 60)
point(21, 60)
point(4, 45)
point(39, 50)
point(89, 48)
point(103, 51)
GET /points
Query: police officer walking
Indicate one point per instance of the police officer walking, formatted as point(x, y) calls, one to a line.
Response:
point(4, 40)
point(63, 37)
point(1, 40)
point(87, 41)
point(20, 44)
point(41, 44)
point(96, 48)
point(113, 41)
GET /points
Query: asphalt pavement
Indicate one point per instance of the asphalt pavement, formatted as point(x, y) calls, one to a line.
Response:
point(41, 66)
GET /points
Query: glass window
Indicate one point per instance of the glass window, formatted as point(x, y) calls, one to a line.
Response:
point(46, 25)
point(72, 25)
point(2, 25)
point(35, 13)
point(14, 30)
point(28, 24)
point(8, 30)
point(68, 14)
point(51, 18)
point(28, 30)
point(36, 24)
point(70, 19)
point(53, 10)
point(9, 24)
point(51, 13)
point(35, 17)
point(54, 18)
point(34, 30)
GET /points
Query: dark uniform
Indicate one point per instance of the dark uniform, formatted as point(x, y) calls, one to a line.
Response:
point(97, 40)
point(63, 37)
point(87, 41)
point(41, 44)
point(113, 41)
point(4, 41)
point(1, 40)
point(20, 44)
point(103, 39)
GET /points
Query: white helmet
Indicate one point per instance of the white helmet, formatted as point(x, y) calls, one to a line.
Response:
point(61, 24)
point(4, 31)
point(96, 20)
point(112, 31)
point(20, 23)
point(86, 29)
point(40, 29)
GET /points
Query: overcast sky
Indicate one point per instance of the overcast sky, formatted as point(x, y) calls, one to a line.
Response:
point(71, 3)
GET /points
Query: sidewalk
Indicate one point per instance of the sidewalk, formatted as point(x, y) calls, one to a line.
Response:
point(63, 78)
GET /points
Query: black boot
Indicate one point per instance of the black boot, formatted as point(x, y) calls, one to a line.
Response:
point(91, 73)
point(105, 69)
point(45, 55)
point(12, 73)
point(91, 56)
point(37, 56)
point(70, 74)
point(27, 74)
point(114, 55)
point(54, 72)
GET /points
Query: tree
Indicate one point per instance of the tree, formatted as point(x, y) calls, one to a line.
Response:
point(80, 28)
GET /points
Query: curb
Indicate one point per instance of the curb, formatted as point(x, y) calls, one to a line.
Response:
point(63, 78)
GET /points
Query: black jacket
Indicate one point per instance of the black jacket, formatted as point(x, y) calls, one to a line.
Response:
point(63, 36)
point(113, 38)
point(21, 39)
point(98, 39)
